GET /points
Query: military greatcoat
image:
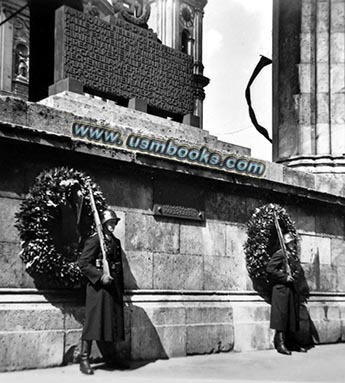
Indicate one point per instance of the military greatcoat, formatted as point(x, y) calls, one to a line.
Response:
point(104, 304)
point(285, 296)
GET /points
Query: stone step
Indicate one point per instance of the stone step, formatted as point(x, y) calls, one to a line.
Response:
point(107, 112)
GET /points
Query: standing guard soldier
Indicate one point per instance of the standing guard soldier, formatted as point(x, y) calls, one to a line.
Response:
point(287, 277)
point(104, 319)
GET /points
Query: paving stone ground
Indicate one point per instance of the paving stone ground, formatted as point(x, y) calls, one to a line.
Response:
point(324, 363)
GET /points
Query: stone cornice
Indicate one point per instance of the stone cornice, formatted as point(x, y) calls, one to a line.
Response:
point(41, 125)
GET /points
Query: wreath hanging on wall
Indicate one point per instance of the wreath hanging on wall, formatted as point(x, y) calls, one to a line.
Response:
point(54, 220)
point(262, 239)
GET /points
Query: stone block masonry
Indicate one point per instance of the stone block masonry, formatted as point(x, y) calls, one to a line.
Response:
point(309, 105)
point(187, 289)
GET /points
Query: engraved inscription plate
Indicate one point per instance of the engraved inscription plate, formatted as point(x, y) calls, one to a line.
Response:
point(179, 212)
point(122, 60)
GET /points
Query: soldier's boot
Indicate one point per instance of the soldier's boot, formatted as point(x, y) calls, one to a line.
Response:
point(279, 343)
point(298, 348)
point(85, 367)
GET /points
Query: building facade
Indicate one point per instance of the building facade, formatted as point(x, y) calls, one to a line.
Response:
point(187, 288)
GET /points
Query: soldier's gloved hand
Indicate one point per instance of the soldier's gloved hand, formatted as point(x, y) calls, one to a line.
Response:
point(106, 279)
point(289, 279)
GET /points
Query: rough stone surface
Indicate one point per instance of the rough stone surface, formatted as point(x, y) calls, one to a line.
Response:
point(306, 24)
point(251, 324)
point(74, 316)
point(218, 274)
point(162, 314)
point(72, 346)
point(337, 47)
point(145, 340)
point(8, 207)
point(326, 319)
point(203, 240)
point(208, 313)
point(338, 16)
point(235, 239)
point(322, 139)
point(322, 108)
point(174, 340)
point(337, 135)
point(304, 218)
point(274, 171)
point(131, 191)
point(338, 251)
point(312, 274)
point(303, 179)
point(323, 47)
point(207, 338)
point(253, 336)
point(36, 318)
point(329, 183)
point(307, 247)
point(306, 47)
point(337, 78)
point(322, 77)
point(340, 280)
point(304, 139)
point(323, 246)
point(42, 349)
point(329, 223)
point(11, 266)
point(158, 236)
point(138, 270)
point(230, 207)
point(328, 278)
point(236, 236)
point(178, 272)
point(13, 110)
point(305, 78)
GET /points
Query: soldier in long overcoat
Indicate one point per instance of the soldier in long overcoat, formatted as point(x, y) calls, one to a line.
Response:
point(288, 291)
point(104, 318)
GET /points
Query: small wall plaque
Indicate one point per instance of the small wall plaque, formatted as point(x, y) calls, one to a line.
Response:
point(179, 212)
point(178, 198)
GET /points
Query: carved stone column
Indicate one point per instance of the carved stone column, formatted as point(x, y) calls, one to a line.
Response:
point(310, 130)
point(198, 37)
point(6, 47)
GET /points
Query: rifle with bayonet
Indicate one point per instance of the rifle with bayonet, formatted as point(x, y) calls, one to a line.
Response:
point(99, 229)
point(282, 244)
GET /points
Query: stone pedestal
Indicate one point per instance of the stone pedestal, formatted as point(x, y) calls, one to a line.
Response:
point(187, 287)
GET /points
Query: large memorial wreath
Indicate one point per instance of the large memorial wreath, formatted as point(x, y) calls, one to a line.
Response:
point(46, 254)
point(262, 238)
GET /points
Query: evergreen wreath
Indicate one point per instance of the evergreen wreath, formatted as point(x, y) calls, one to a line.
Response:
point(37, 220)
point(262, 239)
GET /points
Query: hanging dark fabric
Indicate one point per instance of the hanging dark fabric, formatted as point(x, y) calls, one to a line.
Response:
point(261, 64)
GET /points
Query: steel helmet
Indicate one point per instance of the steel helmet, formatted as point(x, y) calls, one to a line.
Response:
point(108, 215)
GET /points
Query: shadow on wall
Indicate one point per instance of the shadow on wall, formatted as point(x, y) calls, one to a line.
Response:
point(142, 343)
point(307, 333)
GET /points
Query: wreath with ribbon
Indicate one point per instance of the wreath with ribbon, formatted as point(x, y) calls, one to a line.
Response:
point(262, 239)
point(53, 222)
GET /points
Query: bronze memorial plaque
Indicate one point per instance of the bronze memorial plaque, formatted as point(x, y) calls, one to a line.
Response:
point(121, 60)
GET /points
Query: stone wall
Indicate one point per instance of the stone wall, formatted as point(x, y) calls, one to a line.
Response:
point(188, 291)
